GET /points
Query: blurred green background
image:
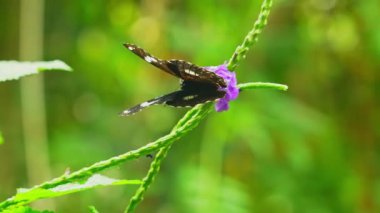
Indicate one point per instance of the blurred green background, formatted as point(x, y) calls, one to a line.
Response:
point(313, 149)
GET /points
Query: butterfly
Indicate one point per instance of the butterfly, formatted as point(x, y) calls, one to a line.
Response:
point(197, 85)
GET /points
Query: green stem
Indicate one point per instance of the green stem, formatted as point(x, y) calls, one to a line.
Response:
point(191, 119)
point(155, 165)
point(1, 139)
point(197, 113)
point(240, 53)
point(148, 179)
point(186, 124)
point(262, 85)
point(252, 36)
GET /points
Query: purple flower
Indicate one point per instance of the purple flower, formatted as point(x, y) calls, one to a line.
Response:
point(232, 91)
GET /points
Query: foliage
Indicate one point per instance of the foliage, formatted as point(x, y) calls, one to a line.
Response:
point(67, 183)
point(26, 196)
point(25, 209)
point(12, 70)
point(313, 149)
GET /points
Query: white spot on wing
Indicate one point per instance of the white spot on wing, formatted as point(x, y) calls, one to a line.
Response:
point(131, 48)
point(186, 98)
point(146, 104)
point(127, 112)
point(190, 72)
point(149, 59)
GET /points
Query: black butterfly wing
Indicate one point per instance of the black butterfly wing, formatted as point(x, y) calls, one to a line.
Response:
point(192, 72)
point(155, 101)
point(191, 94)
point(179, 68)
point(191, 98)
point(161, 64)
point(198, 84)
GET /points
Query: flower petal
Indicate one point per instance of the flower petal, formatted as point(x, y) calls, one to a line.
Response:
point(232, 91)
point(221, 105)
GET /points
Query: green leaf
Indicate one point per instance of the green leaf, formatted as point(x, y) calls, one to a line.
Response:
point(25, 209)
point(12, 70)
point(25, 196)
